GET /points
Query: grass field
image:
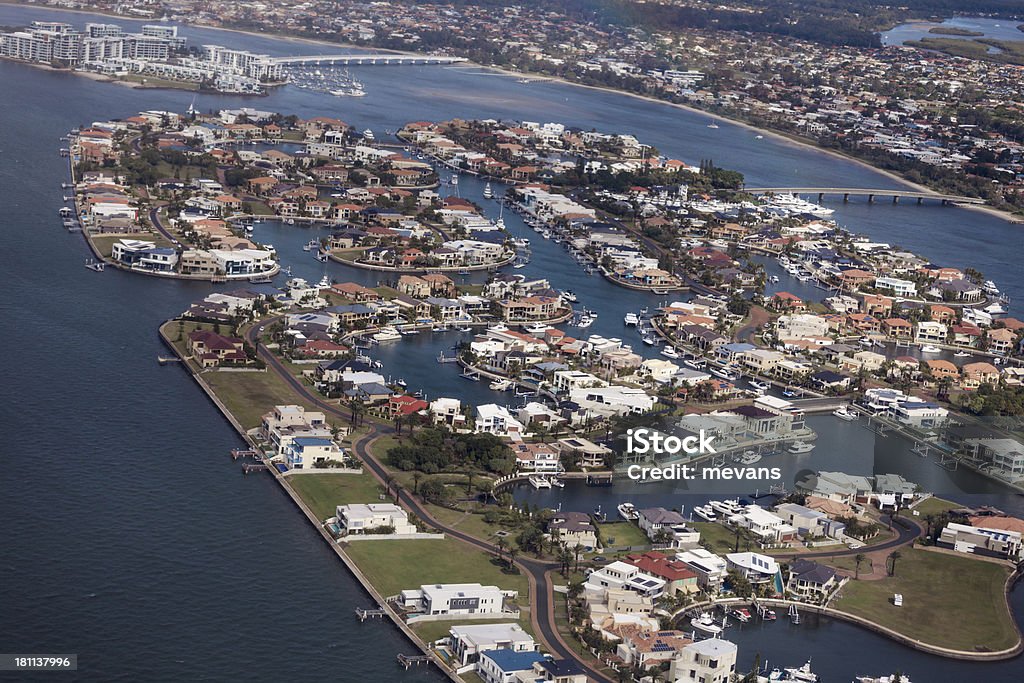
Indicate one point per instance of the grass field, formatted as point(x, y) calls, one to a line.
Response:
point(392, 566)
point(932, 506)
point(951, 601)
point(248, 395)
point(325, 492)
point(623, 534)
point(720, 538)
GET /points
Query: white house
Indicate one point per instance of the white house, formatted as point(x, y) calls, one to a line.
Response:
point(897, 286)
point(613, 400)
point(619, 575)
point(708, 661)
point(361, 518)
point(494, 419)
point(456, 599)
point(469, 641)
point(756, 567)
point(710, 568)
point(766, 526)
point(306, 452)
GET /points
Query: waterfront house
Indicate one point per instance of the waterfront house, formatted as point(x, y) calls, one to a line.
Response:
point(210, 349)
point(1001, 341)
point(710, 568)
point(768, 527)
point(468, 642)
point(940, 369)
point(669, 525)
point(755, 567)
point(643, 648)
point(374, 519)
point(456, 599)
point(554, 671)
point(711, 661)
point(308, 452)
point(620, 575)
point(507, 666)
point(979, 540)
point(536, 457)
point(812, 582)
point(573, 529)
point(679, 577)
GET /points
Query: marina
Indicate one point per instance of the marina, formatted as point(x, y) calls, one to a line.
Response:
point(284, 532)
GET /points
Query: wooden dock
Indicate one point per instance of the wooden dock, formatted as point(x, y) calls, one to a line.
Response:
point(364, 614)
point(237, 453)
point(408, 661)
point(254, 467)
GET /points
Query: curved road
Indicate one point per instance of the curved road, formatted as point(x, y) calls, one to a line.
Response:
point(542, 596)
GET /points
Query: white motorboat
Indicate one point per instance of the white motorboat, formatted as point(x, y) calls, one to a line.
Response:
point(773, 278)
point(488, 192)
point(800, 447)
point(961, 354)
point(990, 288)
point(995, 308)
point(694, 363)
point(749, 458)
point(670, 352)
point(387, 334)
point(802, 674)
point(928, 348)
point(631, 320)
point(311, 245)
point(539, 481)
point(705, 513)
point(628, 511)
point(844, 413)
point(368, 134)
point(706, 624)
point(722, 373)
point(537, 329)
point(500, 385)
point(760, 387)
point(568, 294)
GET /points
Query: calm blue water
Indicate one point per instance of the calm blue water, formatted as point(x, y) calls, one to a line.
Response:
point(130, 537)
point(999, 29)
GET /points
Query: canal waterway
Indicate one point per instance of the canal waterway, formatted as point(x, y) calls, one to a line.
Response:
point(131, 538)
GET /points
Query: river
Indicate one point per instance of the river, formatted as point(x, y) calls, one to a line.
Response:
point(130, 537)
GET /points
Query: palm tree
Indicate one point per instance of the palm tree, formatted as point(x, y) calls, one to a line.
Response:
point(565, 559)
point(857, 559)
point(416, 476)
point(893, 556)
point(502, 545)
point(577, 551)
point(512, 552)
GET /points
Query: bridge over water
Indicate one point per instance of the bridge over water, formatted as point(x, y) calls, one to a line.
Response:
point(848, 192)
point(365, 58)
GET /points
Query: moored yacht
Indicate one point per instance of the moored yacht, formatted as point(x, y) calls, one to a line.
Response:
point(631, 320)
point(844, 413)
point(488, 192)
point(706, 624)
point(387, 334)
point(800, 447)
point(627, 511)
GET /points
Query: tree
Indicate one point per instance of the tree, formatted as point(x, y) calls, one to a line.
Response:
point(416, 476)
point(893, 556)
point(857, 560)
point(512, 552)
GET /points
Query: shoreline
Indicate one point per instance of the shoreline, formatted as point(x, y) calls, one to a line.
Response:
point(349, 563)
point(776, 135)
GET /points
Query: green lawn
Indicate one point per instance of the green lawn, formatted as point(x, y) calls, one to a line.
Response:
point(622, 534)
point(392, 566)
point(249, 395)
point(720, 537)
point(932, 506)
point(325, 492)
point(951, 601)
